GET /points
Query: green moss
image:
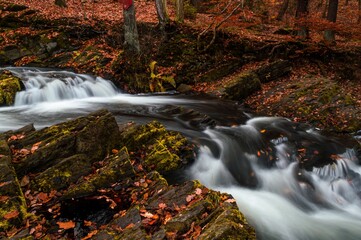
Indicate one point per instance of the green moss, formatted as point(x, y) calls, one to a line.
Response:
point(163, 148)
point(9, 85)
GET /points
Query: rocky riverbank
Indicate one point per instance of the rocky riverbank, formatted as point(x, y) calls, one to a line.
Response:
point(90, 178)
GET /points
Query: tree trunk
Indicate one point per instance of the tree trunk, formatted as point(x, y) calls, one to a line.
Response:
point(301, 14)
point(283, 10)
point(179, 11)
point(329, 34)
point(131, 40)
point(60, 3)
point(163, 18)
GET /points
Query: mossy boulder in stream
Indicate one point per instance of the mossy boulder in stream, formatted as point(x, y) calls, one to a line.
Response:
point(163, 150)
point(9, 85)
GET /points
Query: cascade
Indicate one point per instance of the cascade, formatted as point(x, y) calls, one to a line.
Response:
point(289, 180)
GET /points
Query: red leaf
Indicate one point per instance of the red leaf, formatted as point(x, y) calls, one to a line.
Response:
point(11, 214)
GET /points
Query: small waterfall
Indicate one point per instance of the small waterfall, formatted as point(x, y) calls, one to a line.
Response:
point(53, 86)
point(291, 200)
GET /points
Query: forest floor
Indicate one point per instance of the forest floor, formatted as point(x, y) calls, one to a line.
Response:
point(325, 93)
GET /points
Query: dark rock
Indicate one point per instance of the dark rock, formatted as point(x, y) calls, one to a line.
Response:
point(273, 71)
point(15, 8)
point(241, 86)
point(94, 135)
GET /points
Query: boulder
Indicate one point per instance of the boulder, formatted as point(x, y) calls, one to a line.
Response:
point(93, 136)
point(12, 202)
point(161, 150)
point(9, 85)
point(241, 86)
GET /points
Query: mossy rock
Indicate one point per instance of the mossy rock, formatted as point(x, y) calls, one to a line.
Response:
point(9, 85)
point(12, 202)
point(229, 224)
point(241, 86)
point(165, 150)
point(117, 169)
point(94, 135)
point(61, 175)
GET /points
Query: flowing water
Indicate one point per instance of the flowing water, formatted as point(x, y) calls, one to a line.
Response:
point(289, 180)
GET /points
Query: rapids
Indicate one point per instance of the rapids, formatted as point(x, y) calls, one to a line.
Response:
point(289, 180)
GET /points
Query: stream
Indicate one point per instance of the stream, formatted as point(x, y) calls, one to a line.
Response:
point(290, 180)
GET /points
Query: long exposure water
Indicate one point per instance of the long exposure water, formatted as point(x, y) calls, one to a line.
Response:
point(289, 180)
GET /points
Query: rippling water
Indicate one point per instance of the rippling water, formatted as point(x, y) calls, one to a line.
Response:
point(289, 180)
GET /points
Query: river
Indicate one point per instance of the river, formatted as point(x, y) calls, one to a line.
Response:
point(289, 180)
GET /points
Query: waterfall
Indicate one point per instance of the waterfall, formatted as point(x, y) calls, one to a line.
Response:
point(53, 86)
point(289, 180)
point(288, 201)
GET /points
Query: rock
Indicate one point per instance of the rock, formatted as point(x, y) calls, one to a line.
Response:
point(94, 136)
point(273, 71)
point(12, 202)
point(163, 150)
point(15, 8)
point(117, 169)
point(9, 85)
point(241, 86)
point(184, 88)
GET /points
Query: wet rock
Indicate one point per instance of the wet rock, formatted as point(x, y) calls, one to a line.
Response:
point(9, 85)
point(163, 150)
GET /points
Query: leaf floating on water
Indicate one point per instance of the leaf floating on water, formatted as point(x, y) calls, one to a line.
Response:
point(66, 225)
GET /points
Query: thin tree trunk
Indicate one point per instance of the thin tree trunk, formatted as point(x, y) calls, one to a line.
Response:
point(179, 11)
point(301, 14)
point(329, 34)
point(283, 10)
point(131, 39)
point(163, 17)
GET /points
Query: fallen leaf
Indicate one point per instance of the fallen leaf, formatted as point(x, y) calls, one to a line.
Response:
point(190, 197)
point(115, 151)
point(162, 205)
point(198, 191)
point(90, 235)
point(4, 198)
point(11, 214)
point(231, 200)
point(66, 225)
point(147, 215)
point(24, 181)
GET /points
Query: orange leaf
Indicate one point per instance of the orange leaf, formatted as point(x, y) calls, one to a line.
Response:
point(162, 205)
point(11, 214)
point(198, 191)
point(92, 233)
point(190, 197)
point(66, 225)
point(263, 131)
point(115, 151)
point(147, 215)
point(231, 200)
